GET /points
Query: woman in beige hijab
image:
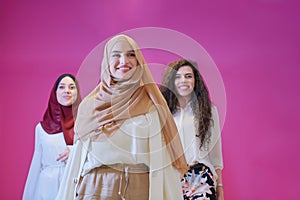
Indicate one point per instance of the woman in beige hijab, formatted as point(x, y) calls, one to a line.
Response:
point(126, 142)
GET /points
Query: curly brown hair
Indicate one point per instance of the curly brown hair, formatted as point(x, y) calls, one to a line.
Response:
point(201, 103)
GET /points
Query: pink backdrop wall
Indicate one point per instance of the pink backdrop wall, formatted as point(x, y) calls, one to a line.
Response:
point(255, 45)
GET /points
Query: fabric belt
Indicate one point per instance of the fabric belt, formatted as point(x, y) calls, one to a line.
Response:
point(131, 168)
point(125, 169)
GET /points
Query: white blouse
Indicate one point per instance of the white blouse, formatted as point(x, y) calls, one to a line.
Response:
point(45, 172)
point(212, 154)
point(129, 144)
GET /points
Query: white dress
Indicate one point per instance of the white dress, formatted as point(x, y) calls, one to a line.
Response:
point(45, 172)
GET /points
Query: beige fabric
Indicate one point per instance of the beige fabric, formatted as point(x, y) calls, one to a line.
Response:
point(104, 183)
point(111, 103)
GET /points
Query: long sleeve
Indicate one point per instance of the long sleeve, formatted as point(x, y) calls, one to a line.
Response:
point(34, 171)
point(215, 154)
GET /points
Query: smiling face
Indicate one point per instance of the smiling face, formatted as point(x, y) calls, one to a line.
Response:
point(122, 60)
point(184, 82)
point(66, 92)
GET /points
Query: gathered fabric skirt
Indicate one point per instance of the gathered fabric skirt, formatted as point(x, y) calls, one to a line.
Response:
point(199, 183)
point(115, 182)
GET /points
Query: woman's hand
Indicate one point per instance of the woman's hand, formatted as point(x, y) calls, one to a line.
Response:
point(220, 193)
point(193, 163)
point(182, 172)
point(220, 189)
point(63, 157)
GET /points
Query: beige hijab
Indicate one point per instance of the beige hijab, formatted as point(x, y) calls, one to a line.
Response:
point(112, 102)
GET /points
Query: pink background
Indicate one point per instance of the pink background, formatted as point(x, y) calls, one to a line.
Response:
point(255, 45)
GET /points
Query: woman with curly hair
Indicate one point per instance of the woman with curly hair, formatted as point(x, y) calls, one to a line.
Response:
point(198, 123)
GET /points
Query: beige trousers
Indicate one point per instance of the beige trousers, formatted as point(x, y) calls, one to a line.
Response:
point(115, 182)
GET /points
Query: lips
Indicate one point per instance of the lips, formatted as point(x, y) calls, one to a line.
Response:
point(124, 68)
point(183, 87)
point(67, 97)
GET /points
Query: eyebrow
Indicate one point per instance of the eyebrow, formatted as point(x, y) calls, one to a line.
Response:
point(65, 84)
point(184, 74)
point(130, 51)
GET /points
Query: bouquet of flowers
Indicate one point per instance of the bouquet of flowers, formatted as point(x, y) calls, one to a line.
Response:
point(198, 183)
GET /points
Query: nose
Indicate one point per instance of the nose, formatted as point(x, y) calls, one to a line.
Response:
point(182, 79)
point(67, 90)
point(123, 59)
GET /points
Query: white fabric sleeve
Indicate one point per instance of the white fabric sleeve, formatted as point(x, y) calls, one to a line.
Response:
point(34, 170)
point(70, 147)
point(215, 154)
